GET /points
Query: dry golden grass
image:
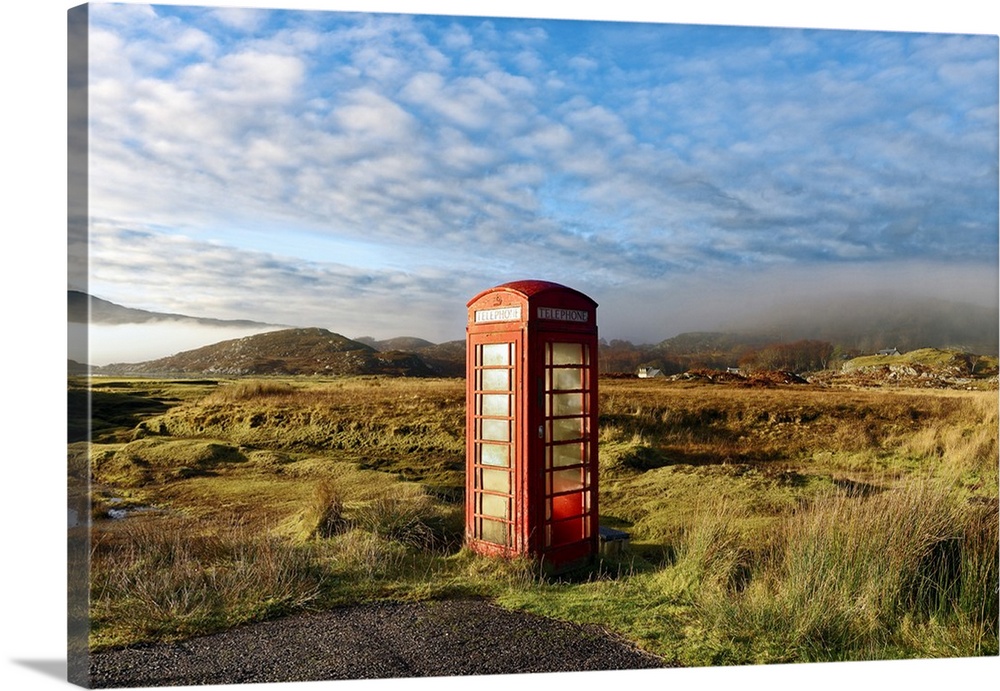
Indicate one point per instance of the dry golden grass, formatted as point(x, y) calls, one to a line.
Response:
point(731, 496)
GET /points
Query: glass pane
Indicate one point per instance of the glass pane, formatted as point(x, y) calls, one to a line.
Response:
point(567, 354)
point(495, 430)
point(495, 354)
point(494, 454)
point(567, 454)
point(496, 480)
point(563, 379)
point(496, 380)
point(567, 430)
point(566, 532)
point(492, 505)
point(566, 480)
point(567, 404)
point(567, 506)
point(497, 405)
point(493, 531)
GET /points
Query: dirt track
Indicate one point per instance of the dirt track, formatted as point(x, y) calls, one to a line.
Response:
point(374, 641)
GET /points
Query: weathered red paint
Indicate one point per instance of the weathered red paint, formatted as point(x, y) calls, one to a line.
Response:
point(543, 425)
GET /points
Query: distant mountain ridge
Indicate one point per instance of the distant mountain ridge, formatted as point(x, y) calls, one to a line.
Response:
point(88, 309)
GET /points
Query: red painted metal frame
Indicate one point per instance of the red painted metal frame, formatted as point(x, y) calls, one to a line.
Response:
point(530, 334)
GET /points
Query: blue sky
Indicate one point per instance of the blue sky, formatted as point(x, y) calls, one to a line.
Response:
point(370, 172)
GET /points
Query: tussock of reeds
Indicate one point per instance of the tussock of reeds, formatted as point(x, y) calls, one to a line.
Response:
point(250, 390)
point(852, 578)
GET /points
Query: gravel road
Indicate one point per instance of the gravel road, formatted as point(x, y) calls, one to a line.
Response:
point(374, 641)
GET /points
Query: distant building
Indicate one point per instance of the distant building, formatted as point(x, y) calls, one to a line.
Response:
point(890, 351)
point(649, 373)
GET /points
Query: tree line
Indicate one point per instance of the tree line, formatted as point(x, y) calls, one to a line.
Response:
point(798, 356)
point(807, 355)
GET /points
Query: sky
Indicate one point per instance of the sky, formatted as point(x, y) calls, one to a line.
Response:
point(371, 172)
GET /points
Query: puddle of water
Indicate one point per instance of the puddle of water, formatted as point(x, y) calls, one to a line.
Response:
point(114, 514)
point(120, 514)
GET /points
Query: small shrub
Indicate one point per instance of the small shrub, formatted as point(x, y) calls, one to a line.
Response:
point(403, 520)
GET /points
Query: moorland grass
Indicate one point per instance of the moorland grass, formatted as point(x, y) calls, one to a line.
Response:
point(174, 579)
point(850, 578)
point(768, 525)
point(910, 573)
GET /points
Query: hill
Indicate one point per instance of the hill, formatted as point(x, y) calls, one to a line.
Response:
point(446, 359)
point(284, 352)
point(925, 367)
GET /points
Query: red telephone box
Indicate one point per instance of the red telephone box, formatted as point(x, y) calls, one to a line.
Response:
point(531, 423)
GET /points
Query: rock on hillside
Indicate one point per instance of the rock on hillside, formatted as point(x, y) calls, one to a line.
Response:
point(285, 352)
point(409, 344)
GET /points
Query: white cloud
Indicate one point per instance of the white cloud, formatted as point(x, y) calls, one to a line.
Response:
point(370, 116)
point(244, 19)
point(245, 79)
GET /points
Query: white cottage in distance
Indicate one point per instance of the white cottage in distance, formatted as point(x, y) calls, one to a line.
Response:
point(649, 373)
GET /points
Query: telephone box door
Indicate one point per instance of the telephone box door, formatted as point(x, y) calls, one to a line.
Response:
point(567, 442)
point(494, 390)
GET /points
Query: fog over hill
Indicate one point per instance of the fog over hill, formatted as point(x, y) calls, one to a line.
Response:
point(869, 323)
point(83, 308)
point(103, 332)
point(863, 324)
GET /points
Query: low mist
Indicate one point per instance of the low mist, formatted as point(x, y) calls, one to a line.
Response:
point(946, 304)
point(132, 343)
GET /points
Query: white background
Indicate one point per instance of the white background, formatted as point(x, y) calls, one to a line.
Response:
point(33, 119)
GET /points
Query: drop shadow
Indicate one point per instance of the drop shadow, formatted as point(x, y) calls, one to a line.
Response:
point(50, 668)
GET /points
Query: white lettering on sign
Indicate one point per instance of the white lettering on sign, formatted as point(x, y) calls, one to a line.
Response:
point(563, 315)
point(499, 314)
